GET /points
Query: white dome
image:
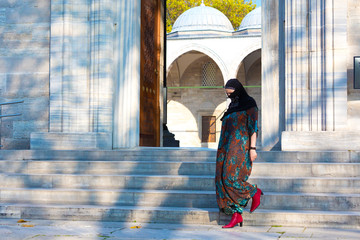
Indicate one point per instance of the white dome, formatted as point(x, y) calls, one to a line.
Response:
point(202, 18)
point(251, 20)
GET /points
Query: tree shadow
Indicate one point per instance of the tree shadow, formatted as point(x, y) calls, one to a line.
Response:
point(135, 175)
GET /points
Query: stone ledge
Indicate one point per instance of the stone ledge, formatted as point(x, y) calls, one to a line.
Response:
point(320, 141)
point(70, 141)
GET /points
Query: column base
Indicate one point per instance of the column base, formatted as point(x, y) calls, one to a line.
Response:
point(320, 141)
point(70, 141)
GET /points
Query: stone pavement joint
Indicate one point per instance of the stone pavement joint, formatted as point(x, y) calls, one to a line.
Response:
point(10, 229)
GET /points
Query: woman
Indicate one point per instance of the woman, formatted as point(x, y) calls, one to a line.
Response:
point(236, 152)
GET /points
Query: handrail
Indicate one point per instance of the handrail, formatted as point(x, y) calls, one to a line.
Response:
point(11, 115)
point(13, 102)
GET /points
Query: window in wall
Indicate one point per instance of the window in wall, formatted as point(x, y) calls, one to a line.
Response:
point(357, 72)
point(208, 129)
point(209, 74)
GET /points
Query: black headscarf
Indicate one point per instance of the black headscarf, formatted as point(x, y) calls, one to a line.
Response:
point(240, 100)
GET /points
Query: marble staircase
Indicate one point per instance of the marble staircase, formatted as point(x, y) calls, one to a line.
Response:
point(175, 185)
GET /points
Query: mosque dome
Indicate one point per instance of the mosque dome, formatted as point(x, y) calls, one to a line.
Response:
point(202, 18)
point(252, 20)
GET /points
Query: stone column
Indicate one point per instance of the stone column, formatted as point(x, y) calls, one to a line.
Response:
point(127, 62)
point(272, 100)
point(316, 85)
point(81, 76)
point(316, 74)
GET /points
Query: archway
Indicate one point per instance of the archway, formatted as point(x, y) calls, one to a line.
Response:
point(176, 53)
point(194, 83)
point(249, 74)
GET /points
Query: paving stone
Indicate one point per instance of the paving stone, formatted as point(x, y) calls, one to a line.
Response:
point(90, 230)
point(297, 230)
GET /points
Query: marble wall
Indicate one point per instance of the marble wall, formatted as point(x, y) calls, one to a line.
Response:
point(316, 60)
point(81, 62)
point(76, 63)
point(353, 35)
point(94, 75)
point(81, 74)
point(321, 104)
point(24, 69)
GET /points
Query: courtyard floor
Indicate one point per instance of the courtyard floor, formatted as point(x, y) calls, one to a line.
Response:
point(13, 229)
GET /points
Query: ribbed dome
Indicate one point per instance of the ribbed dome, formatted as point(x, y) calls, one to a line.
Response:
point(202, 18)
point(251, 20)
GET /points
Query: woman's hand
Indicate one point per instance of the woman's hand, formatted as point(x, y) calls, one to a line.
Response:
point(253, 154)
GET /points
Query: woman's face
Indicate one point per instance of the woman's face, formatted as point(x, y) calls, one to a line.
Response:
point(229, 91)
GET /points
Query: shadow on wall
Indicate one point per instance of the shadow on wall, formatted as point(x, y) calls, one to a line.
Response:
point(24, 70)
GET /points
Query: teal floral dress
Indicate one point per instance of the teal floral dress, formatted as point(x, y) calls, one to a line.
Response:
point(233, 164)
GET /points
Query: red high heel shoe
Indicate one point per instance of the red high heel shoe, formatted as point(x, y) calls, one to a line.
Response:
point(235, 219)
point(256, 200)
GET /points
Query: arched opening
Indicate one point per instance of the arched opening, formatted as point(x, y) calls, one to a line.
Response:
point(249, 74)
point(194, 85)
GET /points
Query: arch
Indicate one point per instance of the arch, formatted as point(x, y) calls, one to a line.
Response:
point(202, 49)
point(250, 74)
point(186, 107)
point(182, 122)
point(239, 59)
point(245, 59)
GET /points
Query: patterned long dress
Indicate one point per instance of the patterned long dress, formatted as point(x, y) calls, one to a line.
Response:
point(233, 164)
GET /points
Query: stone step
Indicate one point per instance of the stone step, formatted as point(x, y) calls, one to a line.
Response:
point(177, 154)
point(108, 167)
point(306, 169)
point(177, 168)
point(177, 185)
point(166, 198)
point(290, 218)
point(138, 154)
point(165, 182)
